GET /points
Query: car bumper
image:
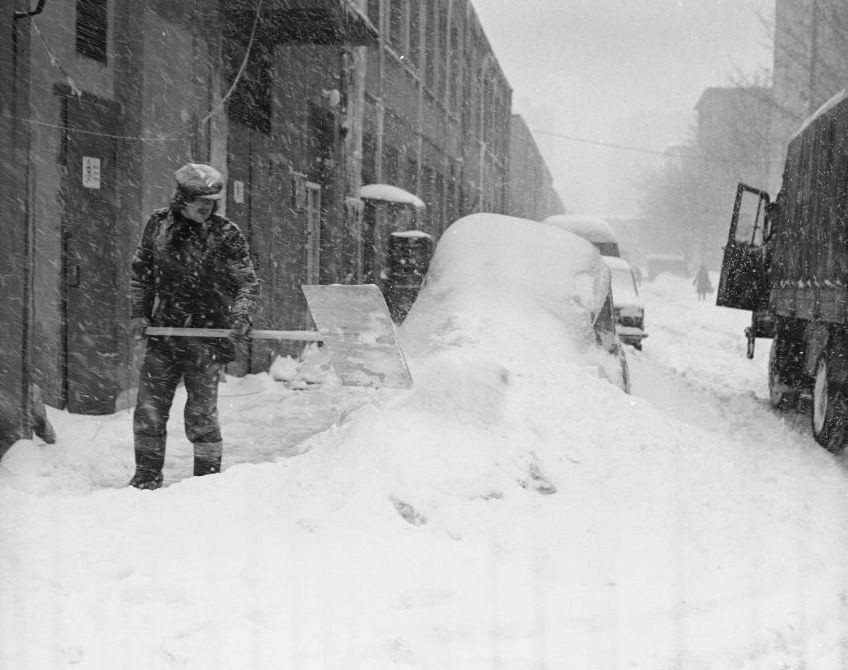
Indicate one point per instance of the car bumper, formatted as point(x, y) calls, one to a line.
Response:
point(630, 334)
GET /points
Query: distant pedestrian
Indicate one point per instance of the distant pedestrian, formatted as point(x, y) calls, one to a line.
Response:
point(702, 283)
point(192, 268)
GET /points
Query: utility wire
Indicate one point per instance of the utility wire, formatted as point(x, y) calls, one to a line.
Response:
point(247, 51)
point(608, 145)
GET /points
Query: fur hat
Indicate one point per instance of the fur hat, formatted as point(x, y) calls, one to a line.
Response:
point(200, 181)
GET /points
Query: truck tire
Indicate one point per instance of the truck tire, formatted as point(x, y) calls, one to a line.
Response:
point(830, 408)
point(782, 394)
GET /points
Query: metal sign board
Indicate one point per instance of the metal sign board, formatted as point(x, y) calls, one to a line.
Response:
point(238, 192)
point(90, 172)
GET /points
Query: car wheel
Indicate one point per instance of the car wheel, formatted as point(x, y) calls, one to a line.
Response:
point(782, 395)
point(830, 408)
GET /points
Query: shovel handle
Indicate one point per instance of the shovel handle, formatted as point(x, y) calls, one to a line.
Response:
point(296, 335)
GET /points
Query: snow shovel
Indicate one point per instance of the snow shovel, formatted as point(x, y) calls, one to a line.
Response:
point(353, 323)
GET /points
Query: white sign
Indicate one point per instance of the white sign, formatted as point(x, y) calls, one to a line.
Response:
point(90, 172)
point(238, 192)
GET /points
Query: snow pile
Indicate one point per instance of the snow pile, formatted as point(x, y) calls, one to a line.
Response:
point(309, 372)
point(511, 510)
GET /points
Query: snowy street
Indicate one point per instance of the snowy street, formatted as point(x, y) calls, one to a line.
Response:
point(457, 525)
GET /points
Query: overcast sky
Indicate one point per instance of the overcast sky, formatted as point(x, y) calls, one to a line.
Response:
point(599, 70)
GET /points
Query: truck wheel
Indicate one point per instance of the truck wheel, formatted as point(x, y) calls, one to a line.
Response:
point(830, 409)
point(782, 395)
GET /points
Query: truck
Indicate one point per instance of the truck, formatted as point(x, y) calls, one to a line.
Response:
point(786, 261)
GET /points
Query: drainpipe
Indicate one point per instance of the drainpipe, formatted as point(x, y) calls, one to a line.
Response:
point(22, 141)
point(487, 61)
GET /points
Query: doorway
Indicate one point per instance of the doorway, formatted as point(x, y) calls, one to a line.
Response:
point(89, 255)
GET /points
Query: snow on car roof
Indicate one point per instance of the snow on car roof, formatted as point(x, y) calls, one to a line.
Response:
point(615, 263)
point(496, 267)
point(389, 193)
point(588, 227)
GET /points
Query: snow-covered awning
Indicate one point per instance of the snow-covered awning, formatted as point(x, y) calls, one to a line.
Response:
point(411, 234)
point(389, 193)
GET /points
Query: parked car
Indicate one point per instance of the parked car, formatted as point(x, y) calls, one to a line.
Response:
point(494, 276)
point(591, 228)
point(629, 306)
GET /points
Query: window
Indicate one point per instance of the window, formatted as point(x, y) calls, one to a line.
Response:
point(430, 35)
point(396, 25)
point(374, 13)
point(313, 231)
point(442, 63)
point(92, 24)
point(390, 164)
point(414, 27)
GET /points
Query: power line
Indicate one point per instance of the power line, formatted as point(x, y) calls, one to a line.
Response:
point(608, 145)
point(665, 154)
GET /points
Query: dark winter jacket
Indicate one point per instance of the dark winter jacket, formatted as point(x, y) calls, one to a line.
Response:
point(192, 274)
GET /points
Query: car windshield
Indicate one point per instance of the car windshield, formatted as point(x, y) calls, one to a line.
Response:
point(623, 284)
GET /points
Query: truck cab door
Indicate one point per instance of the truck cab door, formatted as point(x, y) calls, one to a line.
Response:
point(744, 269)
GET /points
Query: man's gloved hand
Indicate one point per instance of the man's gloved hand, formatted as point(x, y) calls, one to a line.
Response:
point(137, 326)
point(239, 331)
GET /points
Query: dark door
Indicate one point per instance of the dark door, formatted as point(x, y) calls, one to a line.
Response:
point(744, 268)
point(90, 291)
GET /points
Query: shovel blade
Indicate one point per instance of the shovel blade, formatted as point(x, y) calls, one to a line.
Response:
point(360, 335)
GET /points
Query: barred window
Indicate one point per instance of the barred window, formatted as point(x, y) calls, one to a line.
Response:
point(92, 24)
point(396, 16)
point(374, 13)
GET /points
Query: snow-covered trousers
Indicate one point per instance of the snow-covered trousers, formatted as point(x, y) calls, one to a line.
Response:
point(165, 363)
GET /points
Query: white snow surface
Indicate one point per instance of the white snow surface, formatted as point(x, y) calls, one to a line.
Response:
point(509, 511)
point(390, 193)
point(591, 228)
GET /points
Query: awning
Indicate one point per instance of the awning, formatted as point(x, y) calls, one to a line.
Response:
point(303, 22)
point(389, 193)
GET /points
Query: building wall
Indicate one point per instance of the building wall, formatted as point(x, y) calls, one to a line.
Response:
point(427, 109)
point(15, 340)
point(436, 118)
point(810, 66)
point(734, 143)
point(531, 190)
point(156, 118)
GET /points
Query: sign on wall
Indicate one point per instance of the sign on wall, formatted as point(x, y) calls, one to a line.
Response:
point(90, 172)
point(238, 192)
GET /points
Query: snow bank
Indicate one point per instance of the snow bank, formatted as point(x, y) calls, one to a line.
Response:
point(511, 510)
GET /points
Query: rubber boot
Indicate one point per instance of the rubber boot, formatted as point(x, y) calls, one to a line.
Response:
point(207, 457)
point(149, 459)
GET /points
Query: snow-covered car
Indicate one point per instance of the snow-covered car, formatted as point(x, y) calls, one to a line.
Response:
point(591, 228)
point(494, 276)
point(629, 306)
